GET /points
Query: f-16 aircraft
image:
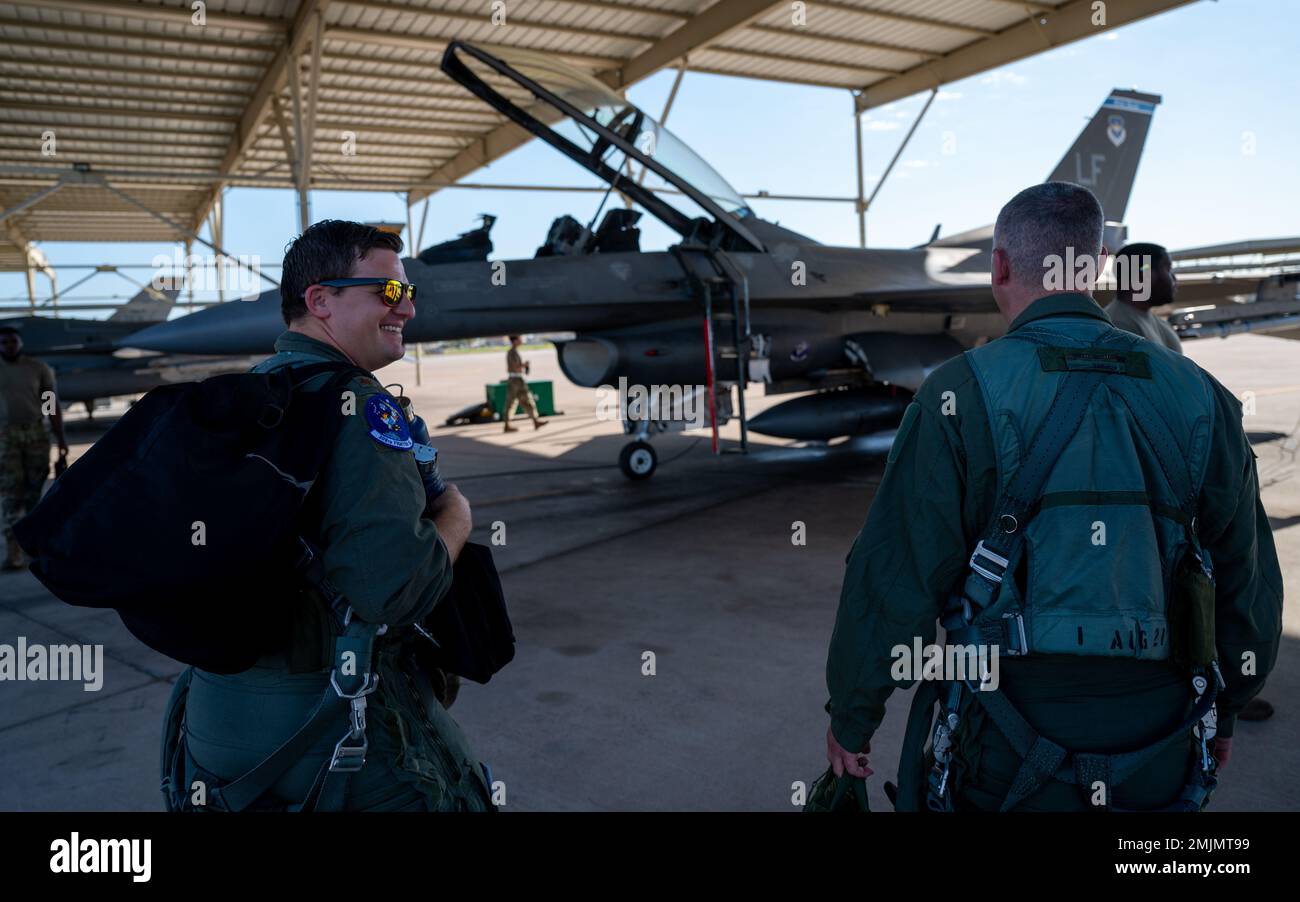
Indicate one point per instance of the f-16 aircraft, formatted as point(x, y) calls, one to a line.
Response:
point(738, 299)
point(86, 354)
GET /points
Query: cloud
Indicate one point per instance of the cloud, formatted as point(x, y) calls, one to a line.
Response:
point(880, 125)
point(948, 95)
point(1110, 36)
point(916, 164)
point(1003, 77)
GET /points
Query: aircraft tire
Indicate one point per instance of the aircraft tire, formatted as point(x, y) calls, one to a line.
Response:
point(638, 460)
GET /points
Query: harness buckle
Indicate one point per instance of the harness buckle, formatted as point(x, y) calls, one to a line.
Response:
point(942, 750)
point(991, 557)
point(371, 681)
point(350, 751)
point(349, 759)
point(1016, 630)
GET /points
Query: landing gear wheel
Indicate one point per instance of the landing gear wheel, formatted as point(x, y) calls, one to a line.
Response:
point(638, 460)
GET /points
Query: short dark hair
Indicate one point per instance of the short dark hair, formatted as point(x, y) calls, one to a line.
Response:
point(10, 330)
point(328, 249)
point(1043, 221)
point(1131, 256)
point(513, 337)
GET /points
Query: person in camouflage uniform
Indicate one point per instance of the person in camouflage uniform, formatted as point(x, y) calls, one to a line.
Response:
point(27, 395)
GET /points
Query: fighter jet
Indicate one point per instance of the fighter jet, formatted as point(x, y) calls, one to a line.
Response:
point(87, 358)
point(738, 299)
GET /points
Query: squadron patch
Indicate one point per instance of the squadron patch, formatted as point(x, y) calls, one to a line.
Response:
point(387, 425)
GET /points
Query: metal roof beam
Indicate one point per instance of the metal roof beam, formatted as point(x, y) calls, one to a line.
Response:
point(273, 79)
point(62, 66)
point(1070, 23)
point(513, 20)
point(802, 60)
point(33, 200)
point(43, 124)
point(183, 15)
point(167, 141)
point(855, 43)
point(208, 107)
point(1026, 4)
point(709, 26)
point(606, 6)
point(438, 44)
point(187, 57)
point(149, 37)
point(138, 112)
point(904, 18)
point(378, 129)
point(81, 83)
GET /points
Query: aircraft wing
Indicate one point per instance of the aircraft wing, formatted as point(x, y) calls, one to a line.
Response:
point(1238, 286)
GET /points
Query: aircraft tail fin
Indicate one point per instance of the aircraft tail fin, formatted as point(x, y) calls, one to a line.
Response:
point(1104, 158)
point(150, 305)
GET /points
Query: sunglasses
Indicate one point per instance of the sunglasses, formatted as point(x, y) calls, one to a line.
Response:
point(392, 294)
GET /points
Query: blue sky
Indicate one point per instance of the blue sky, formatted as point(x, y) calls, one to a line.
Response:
point(1222, 161)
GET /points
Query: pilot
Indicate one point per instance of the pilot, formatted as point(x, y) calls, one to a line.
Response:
point(517, 386)
point(1147, 270)
point(26, 397)
point(345, 299)
point(1145, 277)
point(1073, 558)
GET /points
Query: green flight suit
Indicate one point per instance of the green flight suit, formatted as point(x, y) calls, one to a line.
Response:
point(387, 559)
point(935, 501)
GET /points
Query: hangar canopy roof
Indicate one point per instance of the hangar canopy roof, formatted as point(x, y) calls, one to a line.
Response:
point(166, 109)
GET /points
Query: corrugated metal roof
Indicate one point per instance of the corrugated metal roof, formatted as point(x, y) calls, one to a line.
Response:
point(170, 110)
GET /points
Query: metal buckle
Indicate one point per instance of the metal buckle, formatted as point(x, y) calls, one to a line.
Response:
point(1023, 647)
point(348, 759)
point(996, 559)
point(372, 680)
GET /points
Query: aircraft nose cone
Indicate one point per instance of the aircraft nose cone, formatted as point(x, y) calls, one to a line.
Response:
point(237, 327)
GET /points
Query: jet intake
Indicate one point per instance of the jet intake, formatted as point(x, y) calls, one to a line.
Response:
point(832, 414)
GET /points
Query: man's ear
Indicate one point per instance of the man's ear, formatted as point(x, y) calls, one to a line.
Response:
point(1001, 267)
point(317, 299)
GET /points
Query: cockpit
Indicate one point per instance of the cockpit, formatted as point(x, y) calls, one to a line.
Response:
point(641, 161)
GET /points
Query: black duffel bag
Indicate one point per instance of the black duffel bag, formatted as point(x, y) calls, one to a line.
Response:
point(183, 516)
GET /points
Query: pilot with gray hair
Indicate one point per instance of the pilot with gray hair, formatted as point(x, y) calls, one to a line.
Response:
point(1082, 505)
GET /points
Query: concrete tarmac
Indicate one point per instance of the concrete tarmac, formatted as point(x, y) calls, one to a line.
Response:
point(695, 567)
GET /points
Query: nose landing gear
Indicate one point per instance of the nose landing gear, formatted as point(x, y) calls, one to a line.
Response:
point(638, 460)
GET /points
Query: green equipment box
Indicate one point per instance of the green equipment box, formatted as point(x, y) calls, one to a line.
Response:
point(543, 397)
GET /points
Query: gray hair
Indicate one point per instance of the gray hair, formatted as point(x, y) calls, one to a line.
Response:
point(1042, 222)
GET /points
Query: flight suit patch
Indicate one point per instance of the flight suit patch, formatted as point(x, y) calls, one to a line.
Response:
point(387, 425)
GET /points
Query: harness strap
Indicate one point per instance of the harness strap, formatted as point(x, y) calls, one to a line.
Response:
point(1152, 424)
point(911, 761)
point(1042, 761)
point(245, 790)
point(350, 682)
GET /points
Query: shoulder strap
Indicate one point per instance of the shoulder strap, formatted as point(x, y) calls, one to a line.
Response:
point(1002, 537)
point(1158, 434)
